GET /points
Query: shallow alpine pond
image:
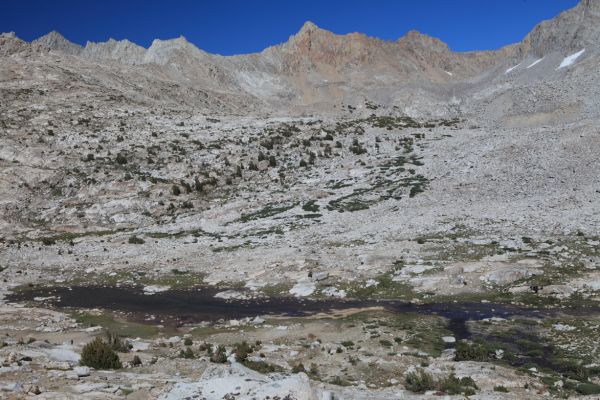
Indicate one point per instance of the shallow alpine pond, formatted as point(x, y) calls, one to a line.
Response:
point(558, 342)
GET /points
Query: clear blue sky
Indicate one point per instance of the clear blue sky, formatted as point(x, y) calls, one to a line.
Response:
point(238, 26)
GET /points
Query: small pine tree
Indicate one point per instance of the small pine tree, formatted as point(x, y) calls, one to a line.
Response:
point(242, 350)
point(419, 382)
point(121, 159)
point(188, 353)
point(219, 356)
point(135, 240)
point(298, 368)
point(272, 161)
point(116, 343)
point(98, 354)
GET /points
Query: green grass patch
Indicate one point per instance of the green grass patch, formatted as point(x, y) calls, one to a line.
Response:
point(266, 212)
point(118, 327)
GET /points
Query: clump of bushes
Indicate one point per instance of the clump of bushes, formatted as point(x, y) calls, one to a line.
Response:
point(420, 381)
point(453, 385)
point(262, 367)
point(339, 381)
point(218, 356)
point(588, 388)
point(100, 355)
point(470, 352)
point(241, 351)
point(296, 369)
point(48, 241)
point(135, 240)
point(116, 343)
point(121, 159)
point(188, 353)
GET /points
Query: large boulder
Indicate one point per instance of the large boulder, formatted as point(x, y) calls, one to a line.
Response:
point(221, 381)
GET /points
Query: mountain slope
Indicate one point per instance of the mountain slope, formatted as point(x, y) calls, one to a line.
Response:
point(316, 68)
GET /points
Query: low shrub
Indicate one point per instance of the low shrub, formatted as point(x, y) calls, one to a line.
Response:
point(188, 353)
point(98, 354)
point(241, 351)
point(470, 352)
point(453, 385)
point(298, 368)
point(588, 388)
point(135, 240)
point(419, 381)
point(219, 356)
point(116, 343)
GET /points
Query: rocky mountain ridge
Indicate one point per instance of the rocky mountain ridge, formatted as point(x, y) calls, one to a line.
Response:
point(317, 68)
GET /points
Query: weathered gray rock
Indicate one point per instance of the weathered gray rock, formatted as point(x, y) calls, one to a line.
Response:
point(82, 371)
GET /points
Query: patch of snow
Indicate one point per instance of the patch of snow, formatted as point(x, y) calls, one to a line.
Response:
point(535, 63)
point(511, 69)
point(231, 294)
point(38, 298)
point(334, 292)
point(563, 327)
point(371, 282)
point(254, 285)
point(302, 289)
point(570, 59)
point(448, 72)
point(152, 289)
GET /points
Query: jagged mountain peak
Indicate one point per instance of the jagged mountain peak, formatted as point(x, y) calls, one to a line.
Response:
point(11, 44)
point(112, 42)
point(123, 51)
point(309, 32)
point(54, 40)
point(178, 41)
point(52, 35)
point(416, 39)
point(570, 31)
point(162, 51)
point(308, 26)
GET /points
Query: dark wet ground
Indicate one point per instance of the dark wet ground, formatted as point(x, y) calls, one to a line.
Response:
point(195, 305)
